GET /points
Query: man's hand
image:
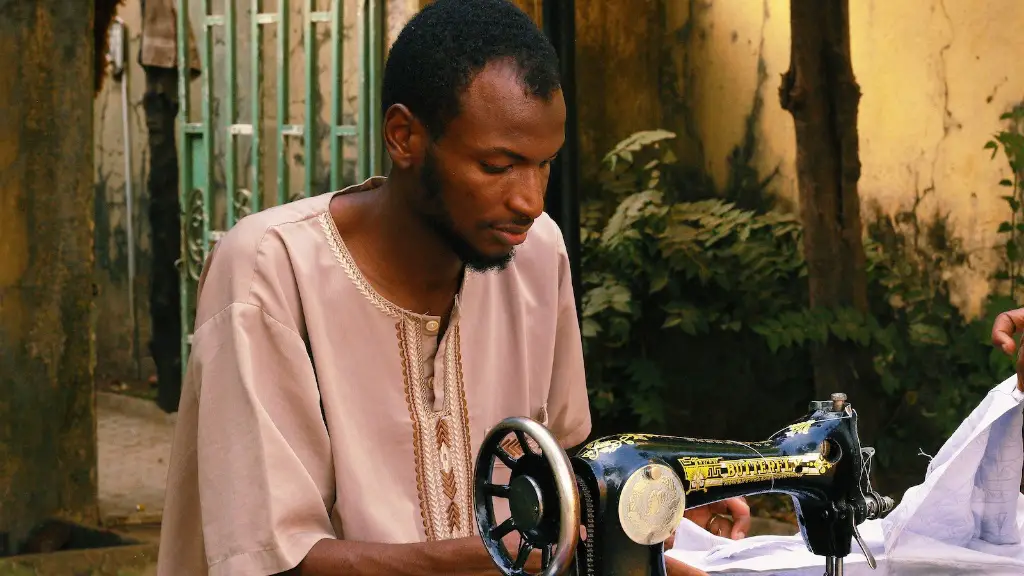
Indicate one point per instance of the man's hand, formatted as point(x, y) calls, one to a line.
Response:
point(674, 567)
point(715, 518)
point(1006, 326)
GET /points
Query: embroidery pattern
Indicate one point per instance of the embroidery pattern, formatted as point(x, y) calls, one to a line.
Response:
point(441, 438)
point(344, 258)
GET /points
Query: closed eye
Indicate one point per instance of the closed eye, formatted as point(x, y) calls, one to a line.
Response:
point(493, 169)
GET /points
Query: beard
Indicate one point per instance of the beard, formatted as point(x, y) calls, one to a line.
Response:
point(438, 217)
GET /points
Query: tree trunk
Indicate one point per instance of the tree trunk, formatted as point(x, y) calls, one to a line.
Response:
point(821, 93)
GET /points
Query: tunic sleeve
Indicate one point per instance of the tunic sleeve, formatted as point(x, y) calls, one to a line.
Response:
point(568, 406)
point(263, 456)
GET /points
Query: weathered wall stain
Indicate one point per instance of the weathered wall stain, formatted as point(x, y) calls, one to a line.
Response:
point(48, 435)
point(115, 346)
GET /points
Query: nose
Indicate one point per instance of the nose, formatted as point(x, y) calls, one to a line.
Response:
point(528, 196)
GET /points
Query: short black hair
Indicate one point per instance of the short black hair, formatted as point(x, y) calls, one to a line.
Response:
point(447, 43)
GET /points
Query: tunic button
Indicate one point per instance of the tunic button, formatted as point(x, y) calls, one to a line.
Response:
point(432, 326)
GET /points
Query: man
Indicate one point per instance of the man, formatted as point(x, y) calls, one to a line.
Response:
point(352, 350)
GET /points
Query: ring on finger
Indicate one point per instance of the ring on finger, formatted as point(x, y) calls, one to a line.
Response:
point(711, 522)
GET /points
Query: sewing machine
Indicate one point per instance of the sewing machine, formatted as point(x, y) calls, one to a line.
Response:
point(608, 510)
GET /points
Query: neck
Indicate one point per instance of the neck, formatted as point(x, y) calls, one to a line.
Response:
point(400, 236)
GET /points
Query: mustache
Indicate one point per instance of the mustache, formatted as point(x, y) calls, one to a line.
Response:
point(517, 222)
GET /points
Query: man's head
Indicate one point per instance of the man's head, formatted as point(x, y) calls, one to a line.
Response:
point(473, 112)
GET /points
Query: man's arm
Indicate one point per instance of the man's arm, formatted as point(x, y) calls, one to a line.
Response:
point(461, 557)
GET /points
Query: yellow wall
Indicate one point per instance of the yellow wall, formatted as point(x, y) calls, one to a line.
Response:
point(935, 76)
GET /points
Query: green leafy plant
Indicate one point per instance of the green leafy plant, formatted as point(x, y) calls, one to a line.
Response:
point(662, 273)
point(1010, 141)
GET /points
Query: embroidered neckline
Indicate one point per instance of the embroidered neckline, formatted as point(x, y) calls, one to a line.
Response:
point(344, 258)
point(348, 263)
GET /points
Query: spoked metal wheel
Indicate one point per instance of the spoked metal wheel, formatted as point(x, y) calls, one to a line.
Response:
point(541, 494)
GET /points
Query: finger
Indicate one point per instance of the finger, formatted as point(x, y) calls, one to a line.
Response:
point(671, 541)
point(740, 511)
point(699, 516)
point(1004, 327)
point(674, 567)
point(720, 507)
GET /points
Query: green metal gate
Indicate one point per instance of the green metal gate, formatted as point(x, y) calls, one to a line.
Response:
point(212, 194)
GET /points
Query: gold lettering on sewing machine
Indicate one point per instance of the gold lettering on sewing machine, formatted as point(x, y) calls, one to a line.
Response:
point(608, 445)
point(704, 473)
point(800, 428)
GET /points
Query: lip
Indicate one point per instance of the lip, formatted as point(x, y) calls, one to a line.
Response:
point(511, 235)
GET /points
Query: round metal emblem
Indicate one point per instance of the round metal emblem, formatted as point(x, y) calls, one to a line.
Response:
point(651, 504)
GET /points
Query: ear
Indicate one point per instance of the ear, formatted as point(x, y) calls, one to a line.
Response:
point(405, 137)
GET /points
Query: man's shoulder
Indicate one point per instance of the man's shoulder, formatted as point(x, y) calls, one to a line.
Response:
point(257, 247)
point(249, 234)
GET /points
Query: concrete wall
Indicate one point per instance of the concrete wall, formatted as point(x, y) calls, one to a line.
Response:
point(114, 342)
point(47, 412)
point(934, 74)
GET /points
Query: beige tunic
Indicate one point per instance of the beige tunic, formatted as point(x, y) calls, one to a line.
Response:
point(314, 408)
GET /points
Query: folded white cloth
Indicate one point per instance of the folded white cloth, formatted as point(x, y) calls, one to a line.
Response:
point(967, 517)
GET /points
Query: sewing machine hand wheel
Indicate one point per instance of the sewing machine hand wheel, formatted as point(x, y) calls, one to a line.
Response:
point(542, 498)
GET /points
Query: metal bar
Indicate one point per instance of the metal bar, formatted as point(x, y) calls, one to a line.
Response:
point(230, 113)
point(559, 17)
point(264, 18)
point(282, 102)
point(191, 127)
point(376, 35)
point(206, 57)
point(255, 56)
point(337, 51)
point(184, 173)
point(240, 129)
point(370, 118)
point(363, 117)
point(309, 117)
point(215, 20)
point(346, 130)
point(320, 16)
point(292, 129)
point(118, 49)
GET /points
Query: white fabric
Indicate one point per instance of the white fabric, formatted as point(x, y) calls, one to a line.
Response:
point(967, 517)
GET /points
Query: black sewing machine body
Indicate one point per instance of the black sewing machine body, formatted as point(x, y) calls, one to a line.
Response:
point(629, 492)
